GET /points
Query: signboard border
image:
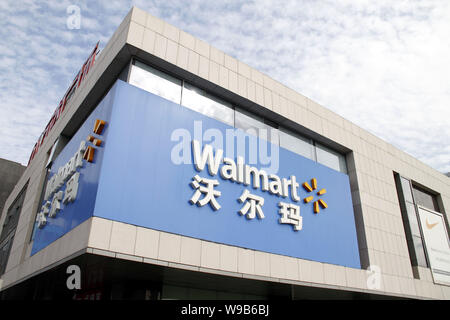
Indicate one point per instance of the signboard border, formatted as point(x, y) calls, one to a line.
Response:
point(441, 216)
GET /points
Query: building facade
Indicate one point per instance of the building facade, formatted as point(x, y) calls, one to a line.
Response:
point(171, 170)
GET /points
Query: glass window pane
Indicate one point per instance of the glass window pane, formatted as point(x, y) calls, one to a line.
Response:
point(412, 219)
point(406, 190)
point(331, 158)
point(425, 199)
point(204, 103)
point(4, 254)
point(420, 254)
point(12, 215)
point(296, 143)
point(156, 82)
point(255, 125)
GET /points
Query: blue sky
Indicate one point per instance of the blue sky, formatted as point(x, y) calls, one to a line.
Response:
point(383, 65)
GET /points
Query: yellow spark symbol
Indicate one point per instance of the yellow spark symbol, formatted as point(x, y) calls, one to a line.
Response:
point(311, 188)
point(90, 151)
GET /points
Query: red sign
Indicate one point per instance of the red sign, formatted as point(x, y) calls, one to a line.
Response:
point(62, 104)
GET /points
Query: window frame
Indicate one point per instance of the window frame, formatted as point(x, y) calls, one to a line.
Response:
point(7, 235)
point(186, 86)
point(342, 157)
point(159, 73)
point(407, 226)
point(342, 161)
point(306, 140)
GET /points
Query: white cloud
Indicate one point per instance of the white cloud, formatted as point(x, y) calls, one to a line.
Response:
point(381, 64)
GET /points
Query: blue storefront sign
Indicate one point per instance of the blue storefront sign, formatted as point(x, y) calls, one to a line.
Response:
point(162, 166)
point(71, 189)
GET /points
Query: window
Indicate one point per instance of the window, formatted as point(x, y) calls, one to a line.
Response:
point(5, 248)
point(204, 103)
point(13, 214)
point(9, 228)
point(155, 81)
point(173, 89)
point(412, 219)
point(419, 250)
point(410, 222)
point(297, 144)
point(255, 125)
point(57, 147)
point(406, 188)
point(330, 158)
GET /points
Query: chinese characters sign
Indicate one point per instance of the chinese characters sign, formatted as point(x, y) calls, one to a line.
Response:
point(241, 173)
point(67, 175)
point(70, 191)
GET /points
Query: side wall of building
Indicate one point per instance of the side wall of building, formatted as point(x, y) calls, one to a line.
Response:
point(10, 173)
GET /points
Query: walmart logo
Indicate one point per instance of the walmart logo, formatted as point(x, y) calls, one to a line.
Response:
point(90, 150)
point(318, 203)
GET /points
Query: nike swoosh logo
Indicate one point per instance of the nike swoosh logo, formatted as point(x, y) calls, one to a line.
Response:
point(430, 226)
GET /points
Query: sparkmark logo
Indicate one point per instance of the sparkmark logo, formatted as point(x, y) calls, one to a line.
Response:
point(316, 203)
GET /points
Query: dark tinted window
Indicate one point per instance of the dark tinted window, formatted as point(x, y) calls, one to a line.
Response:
point(9, 229)
point(425, 199)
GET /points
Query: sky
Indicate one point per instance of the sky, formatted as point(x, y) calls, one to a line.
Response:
point(384, 65)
